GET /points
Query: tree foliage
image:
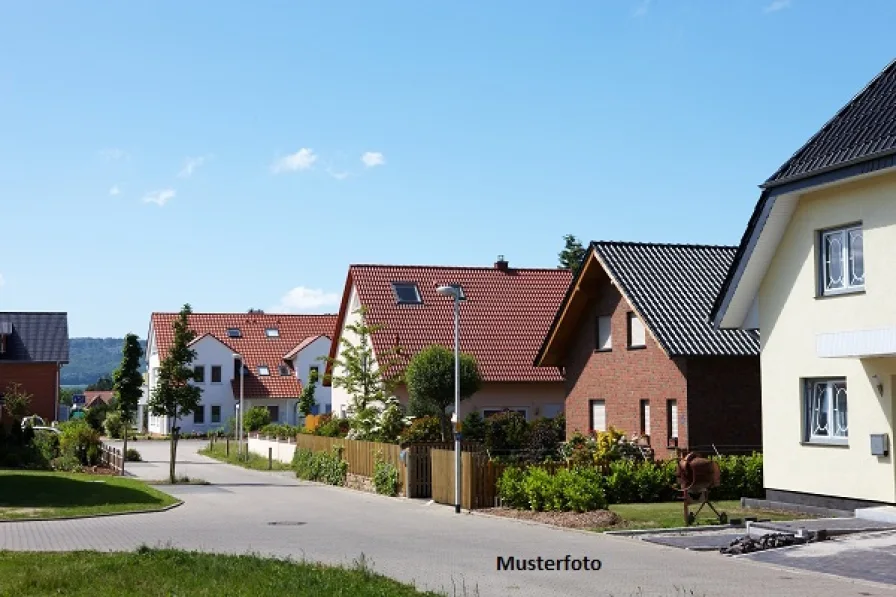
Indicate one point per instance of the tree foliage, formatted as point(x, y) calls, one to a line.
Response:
point(103, 384)
point(18, 402)
point(572, 254)
point(306, 400)
point(175, 396)
point(127, 383)
point(256, 418)
point(360, 372)
point(430, 382)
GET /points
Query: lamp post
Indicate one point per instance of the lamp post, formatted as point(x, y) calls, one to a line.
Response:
point(455, 293)
point(239, 418)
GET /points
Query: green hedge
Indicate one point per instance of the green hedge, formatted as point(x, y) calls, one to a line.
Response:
point(278, 430)
point(320, 466)
point(624, 482)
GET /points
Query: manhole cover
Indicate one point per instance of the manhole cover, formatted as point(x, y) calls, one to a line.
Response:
point(286, 523)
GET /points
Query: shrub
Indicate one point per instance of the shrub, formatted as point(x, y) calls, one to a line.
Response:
point(132, 455)
point(96, 415)
point(385, 477)
point(741, 477)
point(114, 425)
point(46, 445)
point(422, 429)
point(539, 488)
point(256, 418)
point(331, 426)
point(534, 488)
point(277, 430)
point(320, 466)
point(543, 441)
point(505, 433)
point(79, 440)
point(473, 427)
point(579, 490)
point(511, 488)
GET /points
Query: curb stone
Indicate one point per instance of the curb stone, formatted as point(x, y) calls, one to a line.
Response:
point(100, 515)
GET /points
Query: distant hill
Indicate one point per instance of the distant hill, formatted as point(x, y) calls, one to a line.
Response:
point(91, 359)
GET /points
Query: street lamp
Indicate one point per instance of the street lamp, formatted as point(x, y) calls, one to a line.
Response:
point(454, 292)
point(239, 418)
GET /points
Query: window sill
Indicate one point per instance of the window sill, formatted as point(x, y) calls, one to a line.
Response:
point(603, 350)
point(837, 293)
point(826, 444)
point(638, 347)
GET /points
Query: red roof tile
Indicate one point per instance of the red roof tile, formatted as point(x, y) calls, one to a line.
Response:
point(92, 396)
point(255, 346)
point(503, 320)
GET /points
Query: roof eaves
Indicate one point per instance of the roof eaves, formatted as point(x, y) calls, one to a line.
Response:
point(539, 356)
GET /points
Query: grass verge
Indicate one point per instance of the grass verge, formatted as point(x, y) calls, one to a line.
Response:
point(50, 494)
point(670, 514)
point(165, 572)
point(218, 451)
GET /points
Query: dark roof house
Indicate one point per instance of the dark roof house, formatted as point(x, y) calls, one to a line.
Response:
point(34, 337)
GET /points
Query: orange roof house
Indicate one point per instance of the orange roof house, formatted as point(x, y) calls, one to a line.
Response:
point(504, 317)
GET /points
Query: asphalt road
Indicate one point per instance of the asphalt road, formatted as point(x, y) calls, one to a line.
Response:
point(428, 545)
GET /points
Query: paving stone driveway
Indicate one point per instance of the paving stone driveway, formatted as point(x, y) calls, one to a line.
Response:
point(408, 540)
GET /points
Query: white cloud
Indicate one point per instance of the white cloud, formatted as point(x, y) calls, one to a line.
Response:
point(338, 174)
point(114, 190)
point(373, 158)
point(113, 153)
point(777, 5)
point(303, 159)
point(160, 198)
point(191, 165)
point(305, 299)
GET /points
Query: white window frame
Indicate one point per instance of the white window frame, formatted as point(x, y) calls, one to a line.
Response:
point(826, 408)
point(634, 320)
point(644, 410)
point(850, 281)
point(272, 332)
point(604, 321)
point(672, 421)
point(264, 371)
point(591, 418)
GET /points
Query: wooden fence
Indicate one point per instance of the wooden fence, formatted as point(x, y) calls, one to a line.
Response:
point(479, 478)
point(419, 466)
point(112, 458)
point(360, 455)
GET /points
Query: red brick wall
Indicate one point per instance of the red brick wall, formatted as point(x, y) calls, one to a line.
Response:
point(724, 403)
point(37, 379)
point(622, 377)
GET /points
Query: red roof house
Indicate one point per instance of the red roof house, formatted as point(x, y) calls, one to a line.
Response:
point(276, 353)
point(504, 317)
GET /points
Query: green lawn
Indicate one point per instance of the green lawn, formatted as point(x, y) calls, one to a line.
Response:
point(47, 494)
point(260, 463)
point(163, 573)
point(670, 514)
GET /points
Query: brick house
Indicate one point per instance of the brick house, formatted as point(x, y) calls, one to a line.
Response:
point(33, 349)
point(504, 315)
point(638, 352)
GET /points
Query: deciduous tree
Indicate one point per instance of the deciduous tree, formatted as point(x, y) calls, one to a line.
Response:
point(430, 381)
point(127, 384)
point(175, 396)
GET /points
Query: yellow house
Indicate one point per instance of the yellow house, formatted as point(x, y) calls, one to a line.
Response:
point(826, 308)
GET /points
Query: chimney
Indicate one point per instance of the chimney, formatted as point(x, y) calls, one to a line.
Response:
point(501, 264)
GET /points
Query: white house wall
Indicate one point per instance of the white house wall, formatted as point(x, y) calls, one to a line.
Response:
point(338, 396)
point(543, 399)
point(792, 320)
point(313, 355)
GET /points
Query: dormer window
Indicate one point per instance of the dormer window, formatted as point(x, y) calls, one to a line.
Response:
point(263, 370)
point(272, 332)
point(234, 333)
point(284, 371)
point(406, 293)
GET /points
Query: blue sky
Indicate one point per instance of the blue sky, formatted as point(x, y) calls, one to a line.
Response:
point(236, 155)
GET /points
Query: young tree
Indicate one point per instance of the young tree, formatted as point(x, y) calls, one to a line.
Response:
point(18, 402)
point(306, 400)
point(174, 396)
point(128, 382)
point(572, 254)
point(367, 378)
point(430, 381)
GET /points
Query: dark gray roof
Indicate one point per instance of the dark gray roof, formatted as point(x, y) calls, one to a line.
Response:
point(673, 287)
point(865, 128)
point(36, 337)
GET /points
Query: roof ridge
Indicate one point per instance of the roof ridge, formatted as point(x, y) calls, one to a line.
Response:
point(655, 244)
point(33, 312)
point(827, 125)
point(482, 267)
point(238, 313)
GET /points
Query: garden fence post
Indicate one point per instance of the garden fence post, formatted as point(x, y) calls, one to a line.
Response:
point(227, 446)
point(270, 458)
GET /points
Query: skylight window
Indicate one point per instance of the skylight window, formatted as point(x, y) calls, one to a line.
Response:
point(460, 291)
point(272, 333)
point(263, 370)
point(406, 293)
point(234, 333)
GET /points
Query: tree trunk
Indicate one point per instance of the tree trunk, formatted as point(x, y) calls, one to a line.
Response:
point(173, 440)
point(124, 450)
point(446, 426)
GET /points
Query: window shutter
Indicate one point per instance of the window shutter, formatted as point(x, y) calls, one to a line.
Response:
point(598, 415)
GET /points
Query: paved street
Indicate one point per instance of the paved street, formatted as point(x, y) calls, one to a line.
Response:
point(408, 540)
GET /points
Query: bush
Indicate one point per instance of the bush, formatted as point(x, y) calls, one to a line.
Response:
point(279, 431)
point(46, 444)
point(81, 441)
point(331, 426)
point(132, 455)
point(421, 430)
point(96, 415)
point(320, 466)
point(506, 433)
point(741, 477)
point(385, 477)
point(577, 490)
point(473, 427)
point(256, 418)
point(511, 488)
point(543, 441)
point(114, 425)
